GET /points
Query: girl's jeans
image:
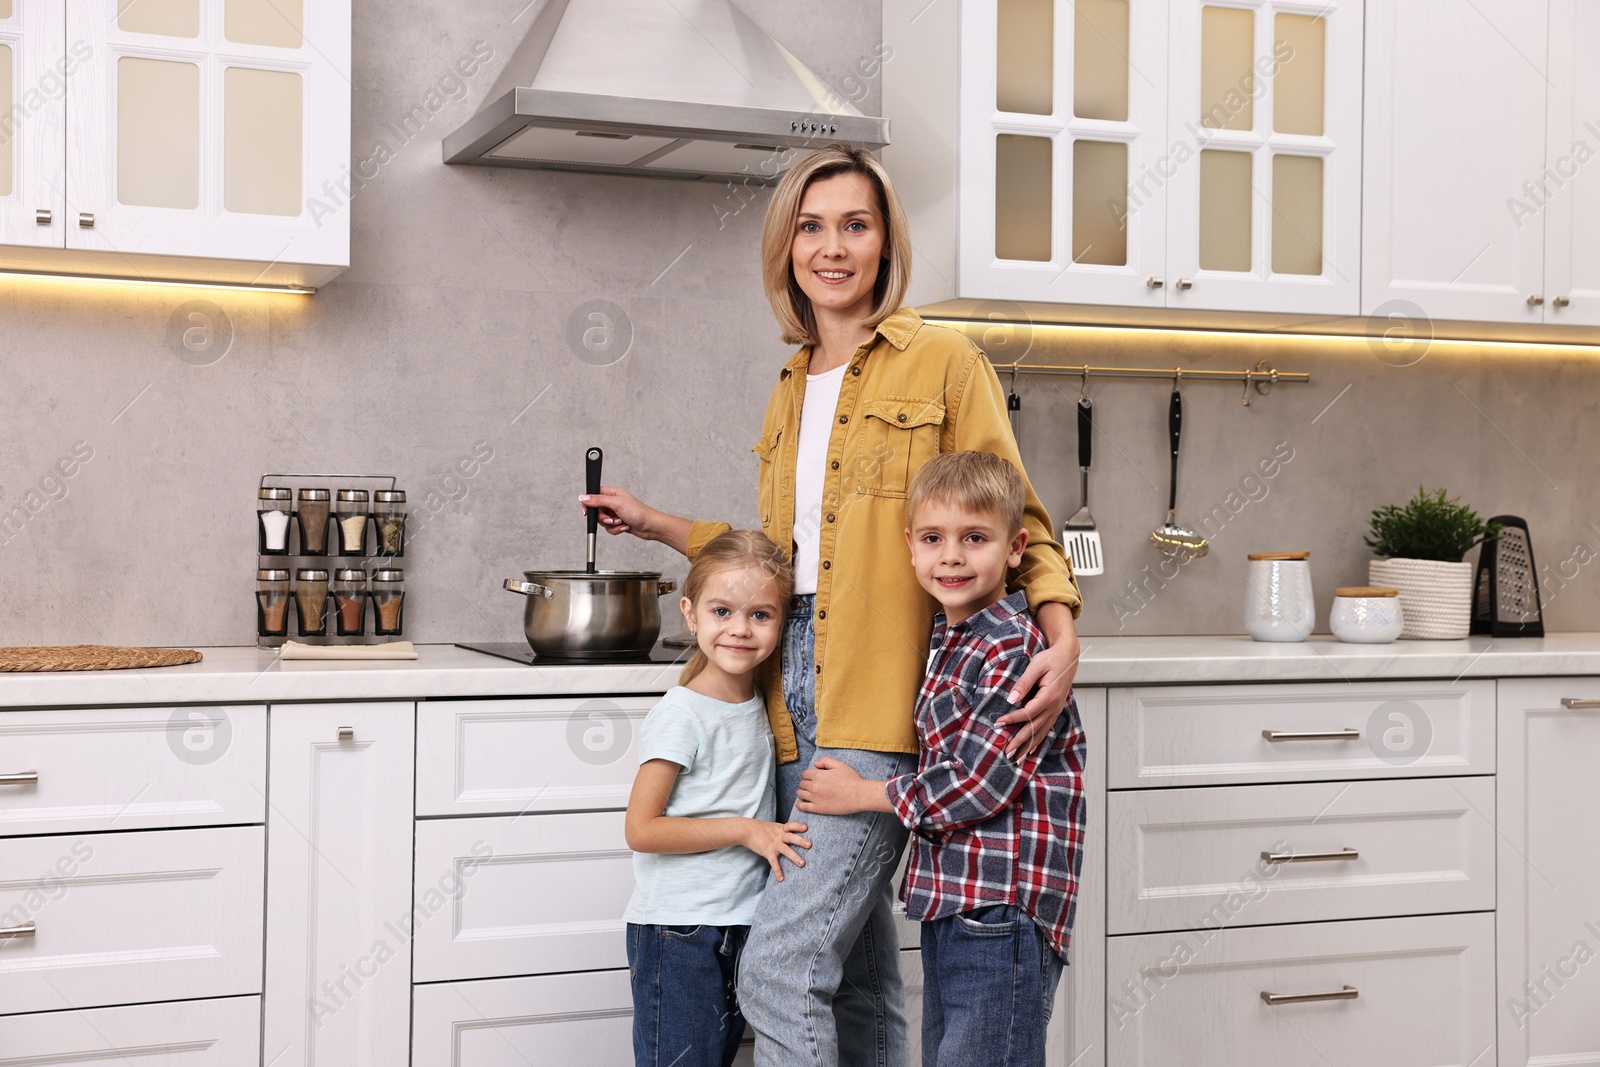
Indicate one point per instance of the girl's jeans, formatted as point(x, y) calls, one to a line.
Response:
point(684, 1011)
point(819, 982)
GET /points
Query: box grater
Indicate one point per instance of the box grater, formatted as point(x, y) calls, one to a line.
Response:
point(1505, 597)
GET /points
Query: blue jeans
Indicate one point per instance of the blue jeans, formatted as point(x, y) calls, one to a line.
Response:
point(684, 1010)
point(990, 977)
point(820, 978)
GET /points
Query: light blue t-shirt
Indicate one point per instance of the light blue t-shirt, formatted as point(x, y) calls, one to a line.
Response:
point(729, 761)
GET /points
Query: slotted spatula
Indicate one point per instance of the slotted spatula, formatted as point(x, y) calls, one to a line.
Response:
point(1079, 535)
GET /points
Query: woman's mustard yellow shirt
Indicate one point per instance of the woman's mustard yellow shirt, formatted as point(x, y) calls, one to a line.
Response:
point(913, 391)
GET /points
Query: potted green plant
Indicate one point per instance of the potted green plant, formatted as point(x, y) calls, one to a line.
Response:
point(1422, 544)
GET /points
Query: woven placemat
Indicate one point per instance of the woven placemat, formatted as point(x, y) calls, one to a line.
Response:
point(92, 658)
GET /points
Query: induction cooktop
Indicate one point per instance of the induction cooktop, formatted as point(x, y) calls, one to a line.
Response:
point(519, 652)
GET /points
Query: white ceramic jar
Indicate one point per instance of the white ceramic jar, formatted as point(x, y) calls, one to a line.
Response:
point(1366, 614)
point(1278, 605)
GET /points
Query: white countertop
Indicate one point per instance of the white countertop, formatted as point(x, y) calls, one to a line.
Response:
point(249, 675)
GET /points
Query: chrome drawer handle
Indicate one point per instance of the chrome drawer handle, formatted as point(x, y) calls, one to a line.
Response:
point(1349, 992)
point(347, 733)
point(1346, 734)
point(1310, 857)
point(19, 778)
point(9, 932)
point(1579, 705)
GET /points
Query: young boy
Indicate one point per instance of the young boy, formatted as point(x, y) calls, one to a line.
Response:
point(996, 844)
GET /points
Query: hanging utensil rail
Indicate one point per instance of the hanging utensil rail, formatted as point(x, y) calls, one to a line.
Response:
point(1261, 376)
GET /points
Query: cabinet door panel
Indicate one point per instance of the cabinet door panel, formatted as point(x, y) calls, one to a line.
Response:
point(339, 884)
point(1062, 156)
point(1572, 182)
point(35, 66)
point(1549, 928)
point(187, 143)
point(513, 1022)
point(1455, 125)
point(185, 1033)
point(1264, 210)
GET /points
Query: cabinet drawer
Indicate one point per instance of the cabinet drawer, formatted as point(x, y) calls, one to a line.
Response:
point(493, 757)
point(1183, 859)
point(1217, 734)
point(128, 918)
point(532, 894)
point(188, 1033)
point(131, 768)
point(1424, 994)
point(513, 1022)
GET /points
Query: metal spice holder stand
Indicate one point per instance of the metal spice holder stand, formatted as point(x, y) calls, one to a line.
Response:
point(332, 560)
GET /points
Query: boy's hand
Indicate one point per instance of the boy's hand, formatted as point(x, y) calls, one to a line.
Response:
point(774, 839)
point(834, 788)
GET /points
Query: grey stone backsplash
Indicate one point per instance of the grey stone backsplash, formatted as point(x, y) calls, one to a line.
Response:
point(467, 328)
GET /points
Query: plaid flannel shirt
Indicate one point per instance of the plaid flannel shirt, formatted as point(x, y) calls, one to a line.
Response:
point(987, 829)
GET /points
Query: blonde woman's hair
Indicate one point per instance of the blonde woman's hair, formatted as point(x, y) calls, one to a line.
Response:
point(789, 303)
point(728, 551)
point(978, 482)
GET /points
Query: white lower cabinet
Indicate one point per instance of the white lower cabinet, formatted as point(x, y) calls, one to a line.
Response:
point(188, 1033)
point(1549, 907)
point(517, 895)
point(107, 919)
point(562, 1019)
point(1414, 990)
point(339, 909)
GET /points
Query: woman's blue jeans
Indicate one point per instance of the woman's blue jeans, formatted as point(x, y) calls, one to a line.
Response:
point(819, 981)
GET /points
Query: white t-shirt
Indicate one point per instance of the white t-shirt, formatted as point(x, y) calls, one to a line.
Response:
point(811, 470)
point(729, 762)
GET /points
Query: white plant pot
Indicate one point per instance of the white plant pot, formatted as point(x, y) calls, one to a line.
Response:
point(1435, 596)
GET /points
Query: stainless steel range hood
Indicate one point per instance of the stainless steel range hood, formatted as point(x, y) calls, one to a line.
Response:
point(659, 88)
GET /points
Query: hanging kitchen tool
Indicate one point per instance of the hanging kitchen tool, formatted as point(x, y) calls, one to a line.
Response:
point(591, 614)
point(1079, 535)
point(1505, 598)
point(1014, 409)
point(1175, 541)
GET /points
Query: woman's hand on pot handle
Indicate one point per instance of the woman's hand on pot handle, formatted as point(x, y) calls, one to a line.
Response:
point(621, 512)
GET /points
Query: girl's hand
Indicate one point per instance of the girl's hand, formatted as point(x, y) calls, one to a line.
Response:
point(1052, 671)
point(834, 788)
point(774, 839)
point(621, 512)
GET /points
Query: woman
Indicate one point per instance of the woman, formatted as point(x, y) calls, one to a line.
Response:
point(873, 394)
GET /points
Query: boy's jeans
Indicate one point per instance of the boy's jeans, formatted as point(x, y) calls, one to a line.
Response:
point(684, 1011)
point(990, 979)
point(820, 978)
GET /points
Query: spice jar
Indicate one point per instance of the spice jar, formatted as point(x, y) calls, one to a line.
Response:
point(272, 603)
point(311, 597)
point(313, 515)
point(388, 600)
point(350, 600)
point(351, 512)
point(272, 521)
point(389, 512)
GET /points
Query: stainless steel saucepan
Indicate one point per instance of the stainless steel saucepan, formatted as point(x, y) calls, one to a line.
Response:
point(591, 614)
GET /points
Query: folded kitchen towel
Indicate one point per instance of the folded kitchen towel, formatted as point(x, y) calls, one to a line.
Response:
point(392, 650)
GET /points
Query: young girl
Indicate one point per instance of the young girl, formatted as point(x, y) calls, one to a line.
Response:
point(700, 818)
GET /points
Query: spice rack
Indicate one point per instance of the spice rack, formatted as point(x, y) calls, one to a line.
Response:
point(352, 591)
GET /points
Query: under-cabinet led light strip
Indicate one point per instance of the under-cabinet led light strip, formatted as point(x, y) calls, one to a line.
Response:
point(297, 290)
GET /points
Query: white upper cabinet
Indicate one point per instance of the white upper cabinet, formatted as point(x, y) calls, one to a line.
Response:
point(1063, 116)
point(1455, 125)
point(1264, 193)
point(1570, 186)
point(33, 66)
point(209, 128)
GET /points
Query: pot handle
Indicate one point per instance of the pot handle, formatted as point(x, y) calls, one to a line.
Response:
point(529, 588)
point(665, 587)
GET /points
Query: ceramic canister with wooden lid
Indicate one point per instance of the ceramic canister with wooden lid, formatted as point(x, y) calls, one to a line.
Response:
point(1278, 604)
point(1366, 614)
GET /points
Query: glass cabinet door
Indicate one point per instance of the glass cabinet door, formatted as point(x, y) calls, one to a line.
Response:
point(225, 129)
point(1062, 157)
point(1265, 108)
point(33, 72)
